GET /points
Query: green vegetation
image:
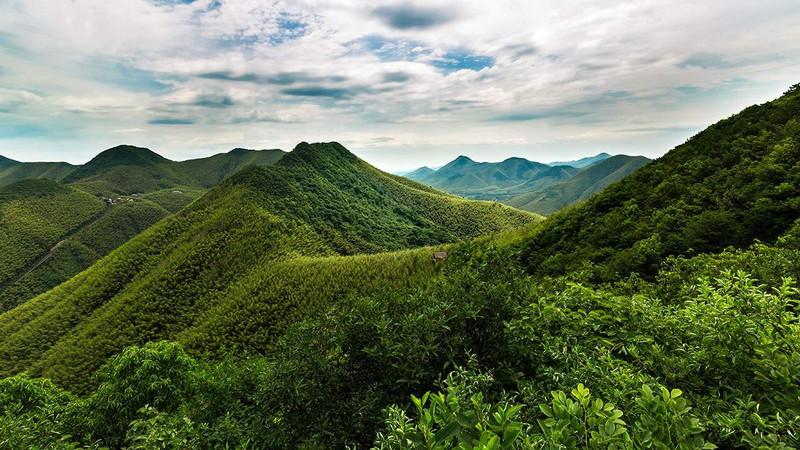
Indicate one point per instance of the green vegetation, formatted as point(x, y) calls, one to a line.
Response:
point(583, 185)
point(53, 232)
point(12, 171)
point(127, 170)
point(496, 359)
point(665, 318)
point(242, 263)
point(34, 215)
point(732, 183)
point(78, 251)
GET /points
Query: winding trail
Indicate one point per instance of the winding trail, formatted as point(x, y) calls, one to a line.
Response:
point(44, 258)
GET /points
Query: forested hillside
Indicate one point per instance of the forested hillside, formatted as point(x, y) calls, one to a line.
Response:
point(661, 313)
point(138, 186)
point(34, 215)
point(12, 171)
point(243, 249)
point(732, 183)
point(583, 185)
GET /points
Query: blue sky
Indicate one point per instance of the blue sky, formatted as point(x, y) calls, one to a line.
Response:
point(401, 83)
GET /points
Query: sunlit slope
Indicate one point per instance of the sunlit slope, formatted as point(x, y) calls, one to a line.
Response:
point(69, 256)
point(244, 261)
point(34, 216)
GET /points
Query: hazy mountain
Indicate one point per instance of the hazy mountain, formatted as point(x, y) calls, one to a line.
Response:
point(419, 174)
point(582, 162)
point(584, 184)
point(484, 180)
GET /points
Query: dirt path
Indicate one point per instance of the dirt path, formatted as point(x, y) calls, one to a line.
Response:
point(44, 258)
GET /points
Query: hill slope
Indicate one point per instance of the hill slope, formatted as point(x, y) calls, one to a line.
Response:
point(584, 184)
point(736, 181)
point(41, 257)
point(244, 247)
point(35, 214)
point(12, 171)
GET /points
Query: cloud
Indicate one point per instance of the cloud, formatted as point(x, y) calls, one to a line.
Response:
point(435, 75)
point(170, 121)
point(707, 61)
point(213, 101)
point(396, 77)
point(408, 16)
point(322, 91)
point(280, 78)
point(524, 116)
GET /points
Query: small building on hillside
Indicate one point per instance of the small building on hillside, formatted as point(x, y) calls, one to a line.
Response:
point(439, 256)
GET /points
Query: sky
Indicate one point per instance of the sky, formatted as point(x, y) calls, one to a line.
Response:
point(400, 83)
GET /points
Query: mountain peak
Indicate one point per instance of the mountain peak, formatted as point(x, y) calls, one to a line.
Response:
point(128, 155)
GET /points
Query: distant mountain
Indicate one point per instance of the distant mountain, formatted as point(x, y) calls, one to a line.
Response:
point(483, 180)
point(127, 169)
point(419, 174)
point(210, 171)
point(583, 162)
point(583, 185)
point(5, 162)
point(12, 171)
point(244, 261)
point(52, 231)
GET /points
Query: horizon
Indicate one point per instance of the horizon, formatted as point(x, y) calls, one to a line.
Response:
point(434, 167)
point(403, 84)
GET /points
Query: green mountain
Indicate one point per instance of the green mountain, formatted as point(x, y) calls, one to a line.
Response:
point(12, 171)
point(243, 262)
point(471, 179)
point(210, 171)
point(127, 169)
point(41, 256)
point(583, 185)
point(582, 162)
point(733, 183)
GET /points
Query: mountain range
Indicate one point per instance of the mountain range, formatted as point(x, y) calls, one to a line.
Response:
point(50, 230)
point(321, 303)
point(532, 186)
